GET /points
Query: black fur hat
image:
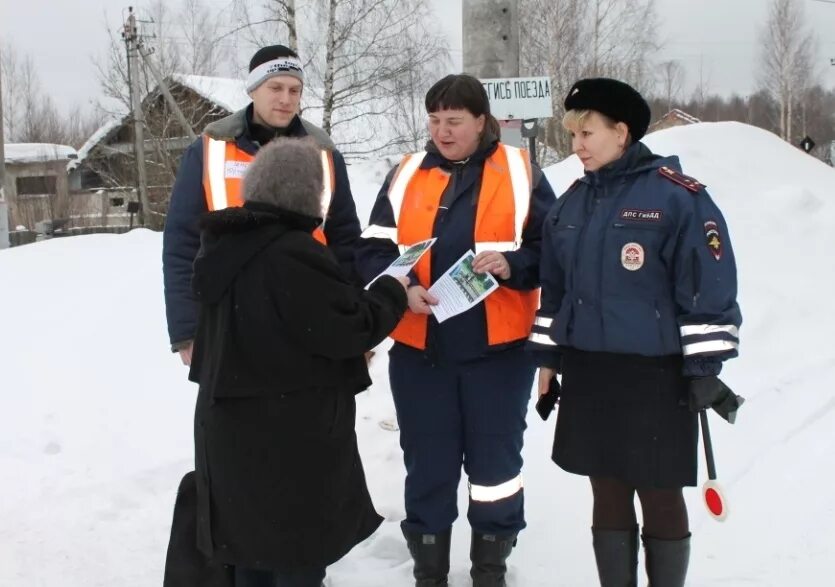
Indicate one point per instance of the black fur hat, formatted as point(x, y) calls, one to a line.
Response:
point(617, 100)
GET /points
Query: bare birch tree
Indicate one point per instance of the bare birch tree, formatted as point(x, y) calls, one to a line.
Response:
point(567, 40)
point(785, 67)
point(29, 113)
point(276, 19)
point(365, 61)
point(671, 81)
point(200, 28)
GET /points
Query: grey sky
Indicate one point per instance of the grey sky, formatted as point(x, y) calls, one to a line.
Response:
point(63, 37)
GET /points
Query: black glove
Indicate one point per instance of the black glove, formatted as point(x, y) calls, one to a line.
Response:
point(545, 404)
point(710, 392)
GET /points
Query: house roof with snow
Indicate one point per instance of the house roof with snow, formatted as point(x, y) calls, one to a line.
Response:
point(674, 117)
point(17, 153)
point(229, 94)
point(226, 93)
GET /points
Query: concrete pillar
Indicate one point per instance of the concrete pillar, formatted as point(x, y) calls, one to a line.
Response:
point(491, 46)
point(491, 38)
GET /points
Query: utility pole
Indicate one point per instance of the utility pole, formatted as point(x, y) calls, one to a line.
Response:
point(131, 36)
point(181, 118)
point(4, 211)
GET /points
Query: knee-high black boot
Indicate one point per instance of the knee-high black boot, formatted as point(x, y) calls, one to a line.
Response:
point(488, 553)
point(666, 561)
point(616, 553)
point(430, 553)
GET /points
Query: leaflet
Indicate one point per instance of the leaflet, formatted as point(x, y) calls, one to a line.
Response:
point(404, 263)
point(461, 288)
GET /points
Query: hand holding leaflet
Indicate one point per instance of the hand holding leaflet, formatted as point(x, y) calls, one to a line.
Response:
point(401, 266)
point(461, 288)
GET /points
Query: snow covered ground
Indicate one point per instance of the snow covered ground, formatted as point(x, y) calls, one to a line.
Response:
point(95, 430)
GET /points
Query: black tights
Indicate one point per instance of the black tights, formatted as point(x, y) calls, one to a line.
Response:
point(664, 510)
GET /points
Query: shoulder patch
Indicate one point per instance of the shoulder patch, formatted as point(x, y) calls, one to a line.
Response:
point(685, 181)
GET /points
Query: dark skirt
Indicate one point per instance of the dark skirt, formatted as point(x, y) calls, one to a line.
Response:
point(626, 417)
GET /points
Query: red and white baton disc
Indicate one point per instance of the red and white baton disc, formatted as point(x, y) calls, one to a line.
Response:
point(714, 499)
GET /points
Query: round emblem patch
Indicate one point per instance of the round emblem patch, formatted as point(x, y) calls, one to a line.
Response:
point(632, 256)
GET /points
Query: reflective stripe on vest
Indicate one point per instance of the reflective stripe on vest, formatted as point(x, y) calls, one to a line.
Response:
point(224, 166)
point(501, 213)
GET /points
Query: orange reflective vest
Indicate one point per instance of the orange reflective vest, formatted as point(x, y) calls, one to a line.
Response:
point(224, 166)
point(501, 214)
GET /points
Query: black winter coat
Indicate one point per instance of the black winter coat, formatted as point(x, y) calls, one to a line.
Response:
point(279, 357)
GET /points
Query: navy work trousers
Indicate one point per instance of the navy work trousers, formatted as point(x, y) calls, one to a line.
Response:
point(470, 413)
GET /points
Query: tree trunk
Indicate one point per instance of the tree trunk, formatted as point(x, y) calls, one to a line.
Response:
point(292, 31)
point(327, 112)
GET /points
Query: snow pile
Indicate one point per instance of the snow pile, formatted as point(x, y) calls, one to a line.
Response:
point(96, 430)
point(37, 153)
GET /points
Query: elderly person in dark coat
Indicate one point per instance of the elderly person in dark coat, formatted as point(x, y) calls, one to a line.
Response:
point(279, 357)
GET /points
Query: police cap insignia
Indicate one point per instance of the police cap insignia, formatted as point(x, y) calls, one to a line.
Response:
point(713, 239)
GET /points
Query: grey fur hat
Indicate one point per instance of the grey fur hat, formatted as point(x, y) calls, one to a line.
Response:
point(287, 173)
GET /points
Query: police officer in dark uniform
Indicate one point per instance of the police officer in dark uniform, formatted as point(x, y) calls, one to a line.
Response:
point(638, 312)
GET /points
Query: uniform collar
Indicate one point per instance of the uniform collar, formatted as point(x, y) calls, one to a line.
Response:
point(635, 159)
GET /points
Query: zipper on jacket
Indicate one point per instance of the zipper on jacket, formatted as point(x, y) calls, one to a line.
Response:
point(601, 246)
point(589, 214)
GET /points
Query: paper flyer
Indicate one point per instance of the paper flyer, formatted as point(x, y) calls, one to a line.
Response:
point(461, 288)
point(404, 263)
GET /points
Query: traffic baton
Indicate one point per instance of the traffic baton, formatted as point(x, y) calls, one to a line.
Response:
point(712, 493)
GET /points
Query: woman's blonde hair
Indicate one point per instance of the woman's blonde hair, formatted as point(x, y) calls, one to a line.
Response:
point(574, 119)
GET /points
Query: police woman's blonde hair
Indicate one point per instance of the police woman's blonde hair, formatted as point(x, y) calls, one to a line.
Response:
point(574, 119)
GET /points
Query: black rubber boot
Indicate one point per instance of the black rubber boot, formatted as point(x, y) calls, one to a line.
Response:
point(666, 561)
point(616, 553)
point(431, 555)
point(488, 553)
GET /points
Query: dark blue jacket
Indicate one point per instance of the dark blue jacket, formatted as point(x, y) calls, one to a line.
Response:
point(181, 237)
point(636, 259)
point(464, 336)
